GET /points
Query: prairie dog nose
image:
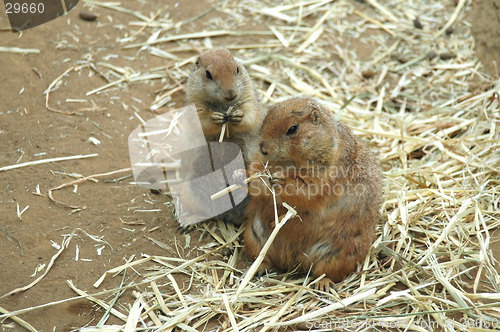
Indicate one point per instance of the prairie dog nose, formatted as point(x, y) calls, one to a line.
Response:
point(263, 149)
point(230, 94)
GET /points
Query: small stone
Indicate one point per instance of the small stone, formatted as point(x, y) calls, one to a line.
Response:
point(400, 57)
point(87, 16)
point(417, 24)
point(368, 73)
point(447, 56)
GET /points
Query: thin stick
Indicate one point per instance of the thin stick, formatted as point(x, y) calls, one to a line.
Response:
point(18, 50)
point(229, 311)
point(159, 101)
point(222, 132)
point(65, 244)
point(197, 35)
point(180, 267)
point(97, 301)
point(51, 86)
point(253, 269)
point(147, 23)
point(328, 309)
point(147, 309)
point(318, 24)
point(374, 21)
point(45, 161)
point(234, 186)
point(225, 126)
point(115, 6)
point(159, 297)
point(453, 17)
point(462, 211)
point(10, 237)
point(382, 9)
point(19, 321)
point(80, 181)
point(117, 295)
point(177, 290)
point(46, 305)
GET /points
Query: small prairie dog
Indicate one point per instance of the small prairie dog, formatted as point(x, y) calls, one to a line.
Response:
point(317, 166)
point(222, 91)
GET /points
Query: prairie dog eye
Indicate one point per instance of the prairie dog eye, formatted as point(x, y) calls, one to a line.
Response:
point(209, 76)
point(292, 130)
point(237, 70)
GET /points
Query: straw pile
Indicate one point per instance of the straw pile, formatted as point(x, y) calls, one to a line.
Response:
point(417, 97)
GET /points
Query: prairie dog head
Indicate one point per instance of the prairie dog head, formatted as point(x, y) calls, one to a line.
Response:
point(218, 77)
point(300, 130)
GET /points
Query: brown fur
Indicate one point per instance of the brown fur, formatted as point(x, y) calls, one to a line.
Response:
point(218, 83)
point(336, 227)
point(230, 84)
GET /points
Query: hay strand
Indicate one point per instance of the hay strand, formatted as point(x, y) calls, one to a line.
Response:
point(45, 161)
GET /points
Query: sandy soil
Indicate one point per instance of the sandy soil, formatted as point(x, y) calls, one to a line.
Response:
point(485, 16)
point(28, 132)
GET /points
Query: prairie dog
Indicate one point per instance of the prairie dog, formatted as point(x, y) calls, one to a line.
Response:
point(222, 91)
point(217, 84)
point(332, 180)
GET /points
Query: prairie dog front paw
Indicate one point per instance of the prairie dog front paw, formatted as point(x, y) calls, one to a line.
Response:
point(277, 179)
point(239, 176)
point(218, 118)
point(236, 116)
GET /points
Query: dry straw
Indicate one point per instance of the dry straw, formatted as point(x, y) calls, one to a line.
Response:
point(435, 123)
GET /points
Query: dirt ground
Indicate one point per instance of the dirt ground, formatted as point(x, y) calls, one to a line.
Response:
point(118, 212)
point(485, 16)
point(28, 132)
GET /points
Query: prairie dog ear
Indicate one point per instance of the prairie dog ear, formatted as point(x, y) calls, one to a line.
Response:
point(316, 112)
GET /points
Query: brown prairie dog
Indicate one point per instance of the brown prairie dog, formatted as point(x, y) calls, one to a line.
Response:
point(223, 93)
point(218, 83)
point(331, 179)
